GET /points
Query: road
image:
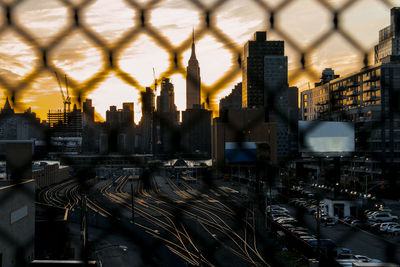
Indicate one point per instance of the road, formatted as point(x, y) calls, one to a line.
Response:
point(361, 242)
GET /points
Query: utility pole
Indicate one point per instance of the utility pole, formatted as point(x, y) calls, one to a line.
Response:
point(133, 206)
point(318, 229)
point(84, 227)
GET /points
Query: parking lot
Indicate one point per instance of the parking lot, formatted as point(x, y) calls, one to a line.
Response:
point(366, 244)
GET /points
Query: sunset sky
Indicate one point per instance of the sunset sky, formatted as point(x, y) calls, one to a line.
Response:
point(81, 58)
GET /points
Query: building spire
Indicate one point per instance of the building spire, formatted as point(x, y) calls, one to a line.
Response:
point(193, 55)
point(7, 109)
point(7, 105)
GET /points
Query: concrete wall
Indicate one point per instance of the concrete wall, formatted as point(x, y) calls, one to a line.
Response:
point(50, 174)
point(17, 224)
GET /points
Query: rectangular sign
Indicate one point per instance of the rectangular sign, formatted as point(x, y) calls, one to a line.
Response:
point(18, 214)
point(326, 137)
point(240, 152)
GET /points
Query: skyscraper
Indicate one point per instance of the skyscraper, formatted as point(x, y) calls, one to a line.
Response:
point(88, 111)
point(253, 68)
point(166, 99)
point(167, 118)
point(193, 82)
point(146, 125)
point(389, 39)
point(120, 129)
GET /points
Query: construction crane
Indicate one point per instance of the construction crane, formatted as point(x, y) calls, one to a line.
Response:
point(66, 99)
point(155, 81)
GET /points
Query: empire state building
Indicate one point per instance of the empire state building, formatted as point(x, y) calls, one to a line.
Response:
point(193, 81)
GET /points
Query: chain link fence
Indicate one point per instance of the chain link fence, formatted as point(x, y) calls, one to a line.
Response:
point(181, 221)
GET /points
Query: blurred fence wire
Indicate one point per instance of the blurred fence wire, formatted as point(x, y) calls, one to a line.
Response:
point(104, 203)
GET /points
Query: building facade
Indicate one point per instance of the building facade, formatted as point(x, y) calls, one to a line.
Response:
point(21, 126)
point(225, 130)
point(388, 47)
point(233, 100)
point(121, 129)
point(146, 133)
point(196, 131)
point(66, 131)
point(253, 68)
point(18, 221)
point(368, 99)
point(193, 81)
point(167, 118)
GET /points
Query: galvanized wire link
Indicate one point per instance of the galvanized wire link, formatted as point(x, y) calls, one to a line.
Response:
point(111, 55)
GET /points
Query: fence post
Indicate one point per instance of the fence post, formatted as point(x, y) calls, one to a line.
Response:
point(132, 203)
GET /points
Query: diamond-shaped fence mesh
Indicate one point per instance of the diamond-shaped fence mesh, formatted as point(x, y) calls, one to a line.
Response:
point(155, 207)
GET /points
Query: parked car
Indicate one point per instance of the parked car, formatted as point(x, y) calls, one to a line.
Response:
point(385, 209)
point(348, 219)
point(343, 251)
point(300, 233)
point(376, 227)
point(309, 194)
point(276, 209)
point(384, 226)
point(307, 237)
point(345, 256)
point(276, 216)
point(383, 217)
point(330, 221)
point(395, 229)
point(346, 262)
point(372, 212)
point(326, 245)
point(286, 220)
point(299, 228)
point(365, 259)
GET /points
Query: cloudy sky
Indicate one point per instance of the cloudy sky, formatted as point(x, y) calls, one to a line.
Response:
point(113, 20)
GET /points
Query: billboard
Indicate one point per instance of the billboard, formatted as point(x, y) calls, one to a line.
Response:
point(240, 152)
point(326, 137)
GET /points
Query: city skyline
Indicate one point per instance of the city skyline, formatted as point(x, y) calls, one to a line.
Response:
point(80, 59)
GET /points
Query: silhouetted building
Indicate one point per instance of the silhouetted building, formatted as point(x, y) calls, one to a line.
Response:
point(120, 125)
point(88, 111)
point(166, 99)
point(253, 68)
point(66, 131)
point(145, 138)
point(328, 74)
point(167, 118)
point(233, 100)
point(21, 126)
point(365, 99)
point(196, 131)
point(193, 82)
point(281, 103)
point(388, 48)
point(91, 129)
point(257, 139)
point(120, 118)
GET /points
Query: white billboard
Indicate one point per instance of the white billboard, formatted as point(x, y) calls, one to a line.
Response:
point(326, 137)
